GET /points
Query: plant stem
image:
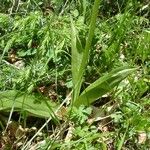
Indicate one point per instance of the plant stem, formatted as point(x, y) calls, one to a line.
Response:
point(86, 51)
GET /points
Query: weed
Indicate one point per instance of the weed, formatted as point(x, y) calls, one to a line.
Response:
point(73, 64)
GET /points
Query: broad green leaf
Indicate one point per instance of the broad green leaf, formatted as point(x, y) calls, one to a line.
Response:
point(25, 102)
point(76, 57)
point(77, 52)
point(103, 85)
point(80, 56)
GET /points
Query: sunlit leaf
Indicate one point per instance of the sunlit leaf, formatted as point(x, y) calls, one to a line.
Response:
point(80, 56)
point(76, 58)
point(103, 85)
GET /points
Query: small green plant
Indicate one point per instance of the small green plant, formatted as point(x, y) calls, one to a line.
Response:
point(80, 57)
point(76, 73)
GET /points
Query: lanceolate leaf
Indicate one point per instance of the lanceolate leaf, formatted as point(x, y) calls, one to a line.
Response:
point(103, 85)
point(76, 54)
point(80, 56)
point(25, 102)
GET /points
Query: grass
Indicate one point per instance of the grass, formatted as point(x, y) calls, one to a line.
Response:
point(72, 78)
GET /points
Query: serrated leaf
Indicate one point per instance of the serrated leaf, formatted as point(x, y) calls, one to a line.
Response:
point(103, 85)
point(26, 102)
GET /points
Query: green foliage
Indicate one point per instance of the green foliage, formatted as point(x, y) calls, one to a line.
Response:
point(80, 115)
point(26, 102)
point(103, 85)
point(80, 55)
point(54, 39)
